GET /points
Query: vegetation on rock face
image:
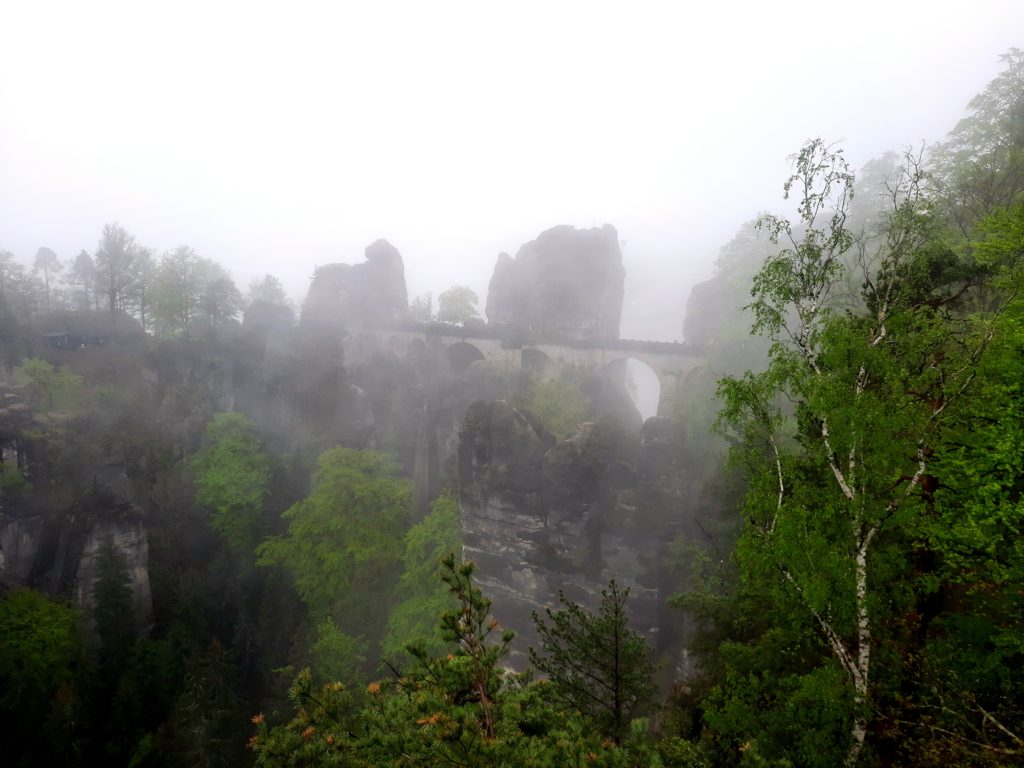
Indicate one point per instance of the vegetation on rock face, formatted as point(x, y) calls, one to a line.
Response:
point(420, 596)
point(51, 388)
point(343, 547)
point(232, 477)
point(559, 404)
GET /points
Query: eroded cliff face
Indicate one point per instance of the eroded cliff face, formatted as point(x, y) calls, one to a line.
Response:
point(504, 522)
point(126, 531)
point(354, 296)
point(568, 283)
point(67, 502)
point(57, 553)
point(541, 516)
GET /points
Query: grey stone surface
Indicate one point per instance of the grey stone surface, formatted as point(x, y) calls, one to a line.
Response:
point(568, 283)
point(541, 517)
point(364, 295)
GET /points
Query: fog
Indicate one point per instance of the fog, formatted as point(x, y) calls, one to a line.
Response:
point(276, 141)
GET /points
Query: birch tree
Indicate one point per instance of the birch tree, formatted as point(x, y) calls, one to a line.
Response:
point(839, 433)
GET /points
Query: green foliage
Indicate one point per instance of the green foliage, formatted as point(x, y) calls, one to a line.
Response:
point(458, 708)
point(840, 433)
point(421, 308)
point(457, 305)
point(595, 662)
point(422, 596)
point(41, 658)
point(39, 650)
point(202, 719)
point(318, 735)
point(232, 479)
point(337, 655)
point(558, 403)
point(51, 388)
point(268, 289)
point(47, 262)
point(18, 301)
point(777, 708)
point(469, 629)
point(115, 268)
point(979, 169)
point(81, 278)
point(12, 481)
point(114, 611)
point(962, 701)
point(343, 547)
point(188, 288)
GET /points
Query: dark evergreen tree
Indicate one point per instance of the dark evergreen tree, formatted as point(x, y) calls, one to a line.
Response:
point(114, 614)
point(204, 719)
point(597, 664)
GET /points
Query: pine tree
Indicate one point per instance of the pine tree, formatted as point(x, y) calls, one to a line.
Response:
point(114, 612)
point(597, 664)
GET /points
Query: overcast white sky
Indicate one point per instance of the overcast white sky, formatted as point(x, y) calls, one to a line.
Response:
point(275, 137)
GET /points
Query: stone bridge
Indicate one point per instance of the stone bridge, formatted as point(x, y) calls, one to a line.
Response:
point(549, 358)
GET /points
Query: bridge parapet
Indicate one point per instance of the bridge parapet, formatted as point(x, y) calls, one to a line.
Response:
point(518, 340)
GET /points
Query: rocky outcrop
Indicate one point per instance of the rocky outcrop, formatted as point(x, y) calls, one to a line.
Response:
point(504, 530)
point(541, 517)
point(365, 295)
point(127, 533)
point(714, 310)
point(56, 552)
point(265, 318)
point(20, 540)
point(568, 283)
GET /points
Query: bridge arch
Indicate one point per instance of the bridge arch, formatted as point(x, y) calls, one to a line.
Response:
point(671, 362)
point(536, 361)
point(461, 355)
point(640, 382)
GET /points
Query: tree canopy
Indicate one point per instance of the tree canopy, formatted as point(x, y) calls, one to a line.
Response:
point(842, 433)
point(232, 478)
point(457, 305)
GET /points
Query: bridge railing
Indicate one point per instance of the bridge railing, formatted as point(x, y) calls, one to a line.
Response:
point(512, 338)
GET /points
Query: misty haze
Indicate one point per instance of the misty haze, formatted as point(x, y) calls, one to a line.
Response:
point(554, 385)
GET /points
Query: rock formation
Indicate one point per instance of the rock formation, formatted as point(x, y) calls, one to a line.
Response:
point(365, 295)
point(568, 283)
point(57, 553)
point(541, 517)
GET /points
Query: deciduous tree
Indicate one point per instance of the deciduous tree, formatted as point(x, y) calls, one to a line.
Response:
point(232, 478)
point(980, 167)
point(115, 265)
point(421, 308)
point(269, 289)
point(422, 596)
point(343, 547)
point(840, 433)
point(457, 305)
